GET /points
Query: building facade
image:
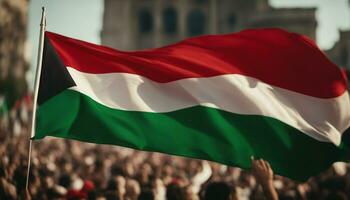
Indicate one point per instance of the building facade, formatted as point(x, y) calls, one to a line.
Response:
point(340, 52)
point(135, 24)
point(13, 65)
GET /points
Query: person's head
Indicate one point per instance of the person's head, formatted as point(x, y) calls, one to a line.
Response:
point(132, 189)
point(120, 180)
point(219, 191)
point(117, 184)
point(129, 169)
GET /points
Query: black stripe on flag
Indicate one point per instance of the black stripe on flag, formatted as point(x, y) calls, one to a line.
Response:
point(54, 75)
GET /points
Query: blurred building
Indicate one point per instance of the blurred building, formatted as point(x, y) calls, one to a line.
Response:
point(13, 31)
point(135, 24)
point(340, 52)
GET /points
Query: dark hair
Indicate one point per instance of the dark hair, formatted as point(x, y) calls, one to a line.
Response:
point(175, 192)
point(65, 180)
point(146, 194)
point(111, 185)
point(218, 191)
point(2, 171)
point(111, 195)
point(117, 170)
point(336, 196)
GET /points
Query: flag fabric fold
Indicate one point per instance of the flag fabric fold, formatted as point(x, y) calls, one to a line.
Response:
point(265, 93)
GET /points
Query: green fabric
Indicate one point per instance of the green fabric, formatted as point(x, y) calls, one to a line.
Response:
point(197, 132)
point(3, 107)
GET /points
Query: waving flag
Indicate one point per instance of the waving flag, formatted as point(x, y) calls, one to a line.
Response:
point(265, 93)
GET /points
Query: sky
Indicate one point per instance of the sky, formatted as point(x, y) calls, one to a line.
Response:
point(83, 19)
point(74, 18)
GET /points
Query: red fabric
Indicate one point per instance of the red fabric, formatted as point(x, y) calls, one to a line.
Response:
point(75, 194)
point(273, 56)
point(17, 104)
point(88, 186)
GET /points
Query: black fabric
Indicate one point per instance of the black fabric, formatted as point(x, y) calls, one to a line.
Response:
point(346, 137)
point(54, 75)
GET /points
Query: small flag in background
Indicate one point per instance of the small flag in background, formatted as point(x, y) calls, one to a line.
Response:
point(265, 93)
point(3, 106)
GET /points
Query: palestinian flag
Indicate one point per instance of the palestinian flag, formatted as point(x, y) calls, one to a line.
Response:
point(265, 93)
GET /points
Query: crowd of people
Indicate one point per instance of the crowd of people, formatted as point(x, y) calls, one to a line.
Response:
point(67, 169)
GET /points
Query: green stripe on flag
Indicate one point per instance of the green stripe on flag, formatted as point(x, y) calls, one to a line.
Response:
point(3, 106)
point(197, 132)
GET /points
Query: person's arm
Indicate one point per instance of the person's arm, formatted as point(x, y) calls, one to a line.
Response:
point(264, 175)
point(201, 177)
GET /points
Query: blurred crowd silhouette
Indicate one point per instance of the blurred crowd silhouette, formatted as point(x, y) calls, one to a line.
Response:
point(67, 169)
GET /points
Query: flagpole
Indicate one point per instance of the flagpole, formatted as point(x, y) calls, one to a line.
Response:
point(36, 88)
